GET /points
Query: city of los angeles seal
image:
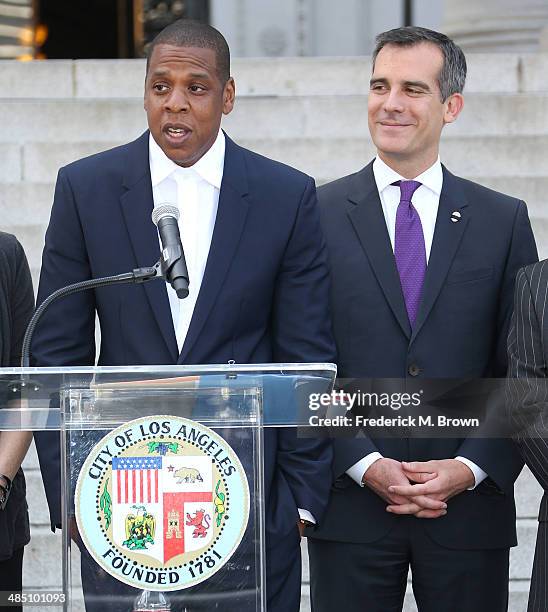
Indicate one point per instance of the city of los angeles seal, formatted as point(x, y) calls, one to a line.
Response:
point(162, 503)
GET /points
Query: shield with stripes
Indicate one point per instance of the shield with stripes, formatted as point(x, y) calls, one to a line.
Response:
point(175, 494)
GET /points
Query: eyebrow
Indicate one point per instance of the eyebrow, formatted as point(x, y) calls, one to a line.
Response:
point(160, 72)
point(420, 84)
point(200, 75)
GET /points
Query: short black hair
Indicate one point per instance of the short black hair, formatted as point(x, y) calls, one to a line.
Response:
point(190, 33)
point(453, 71)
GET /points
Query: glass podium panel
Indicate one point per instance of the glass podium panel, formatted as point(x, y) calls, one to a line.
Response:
point(162, 474)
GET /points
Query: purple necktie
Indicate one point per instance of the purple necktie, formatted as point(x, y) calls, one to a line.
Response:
point(409, 248)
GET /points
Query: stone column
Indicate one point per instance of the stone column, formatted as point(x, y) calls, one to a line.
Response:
point(496, 25)
point(16, 33)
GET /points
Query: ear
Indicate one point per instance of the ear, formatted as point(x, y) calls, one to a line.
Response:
point(453, 106)
point(229, 95)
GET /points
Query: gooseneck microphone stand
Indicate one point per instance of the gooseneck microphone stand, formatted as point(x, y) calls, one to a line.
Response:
point(138, 275)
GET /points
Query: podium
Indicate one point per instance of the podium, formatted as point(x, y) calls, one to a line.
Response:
point(163, 475)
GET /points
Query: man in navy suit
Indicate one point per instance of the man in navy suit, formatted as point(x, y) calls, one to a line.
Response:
point(423, 266)
point(257, 265)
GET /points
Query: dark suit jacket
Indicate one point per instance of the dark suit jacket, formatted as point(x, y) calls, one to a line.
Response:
point(264, 295)
point(528, 388)
point(460, 332)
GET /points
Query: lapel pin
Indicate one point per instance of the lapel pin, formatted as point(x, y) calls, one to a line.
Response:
point(455, 216)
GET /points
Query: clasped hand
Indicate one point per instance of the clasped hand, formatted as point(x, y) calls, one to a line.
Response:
point(421, 488)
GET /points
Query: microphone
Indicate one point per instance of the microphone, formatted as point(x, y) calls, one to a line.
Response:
point(173, 263)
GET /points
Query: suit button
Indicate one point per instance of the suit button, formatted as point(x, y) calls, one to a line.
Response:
point(414, 370)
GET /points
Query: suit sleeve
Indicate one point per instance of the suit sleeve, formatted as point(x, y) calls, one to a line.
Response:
point(500, 458)
point(302, 333)
point(65, 335)
point(523, 252)
point(350, 451)
point(301, 318)
point(527, 388)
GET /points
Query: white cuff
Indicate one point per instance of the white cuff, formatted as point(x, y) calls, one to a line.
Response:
point(306, 516)
point(357, 470)
point(479, 474)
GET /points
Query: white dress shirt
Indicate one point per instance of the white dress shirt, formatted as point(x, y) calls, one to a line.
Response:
point(195, 190)
point(426, 200)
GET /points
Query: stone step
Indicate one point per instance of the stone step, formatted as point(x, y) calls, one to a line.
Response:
point(493, 73)
point(531, 189)
point(30, 462)
point(72, 121)
point(528, 494)
point(38, 79)
point(68, 120)
point(36, 500)
point(331, 158)
point(27, 203)
point(11, 166)
point(41, 160)
point(521, 556)
point(541, 237)
point(346, 117)
point(501, 159)
point(42, 561)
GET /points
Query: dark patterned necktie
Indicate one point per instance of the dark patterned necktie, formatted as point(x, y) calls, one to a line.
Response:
point(409, 248)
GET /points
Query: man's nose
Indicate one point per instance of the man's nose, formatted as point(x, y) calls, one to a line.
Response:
point(177, 101)
point(394, 102)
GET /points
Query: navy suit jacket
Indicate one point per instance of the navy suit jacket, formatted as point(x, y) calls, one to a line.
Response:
point(264, 295)
point(460, 332)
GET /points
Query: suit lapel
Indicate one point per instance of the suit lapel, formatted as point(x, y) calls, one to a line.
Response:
point(229, 224)
point(447, 237)
point(137, 204)
point(365, 212)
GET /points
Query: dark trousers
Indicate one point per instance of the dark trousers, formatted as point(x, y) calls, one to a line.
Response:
point(372, 577)
point(11, 577)
point(538, 596)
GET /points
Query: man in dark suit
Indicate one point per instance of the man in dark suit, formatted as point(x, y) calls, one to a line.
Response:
point(528, 402)
point(423, 266)
point(257, 265)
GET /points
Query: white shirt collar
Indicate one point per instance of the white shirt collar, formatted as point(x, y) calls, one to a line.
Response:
point(209, 167)
point(432, 178)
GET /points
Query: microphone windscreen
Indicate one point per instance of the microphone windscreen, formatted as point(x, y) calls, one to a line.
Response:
point(166, 195)
point(164, 210)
